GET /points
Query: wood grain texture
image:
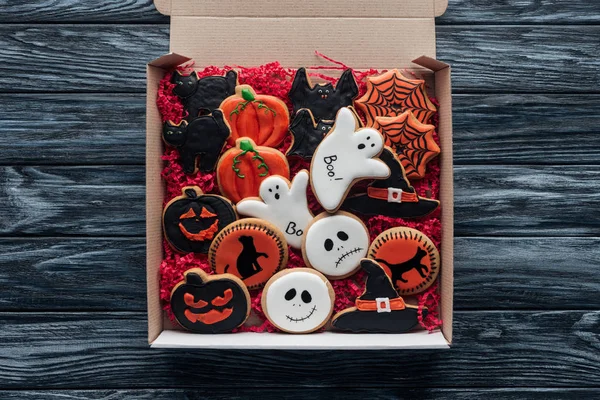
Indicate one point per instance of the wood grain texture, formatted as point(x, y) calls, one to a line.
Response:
point(492, 349)
point(521, 59)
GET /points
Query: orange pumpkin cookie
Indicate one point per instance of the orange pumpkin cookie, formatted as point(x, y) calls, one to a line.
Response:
point(408, 257)
point(262, 118)
point(251, 249)
point(411, 140)
point(242, 168)
point(391, 93)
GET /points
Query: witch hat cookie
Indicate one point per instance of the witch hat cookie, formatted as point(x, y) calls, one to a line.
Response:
point(379, 309)
point(393, 196)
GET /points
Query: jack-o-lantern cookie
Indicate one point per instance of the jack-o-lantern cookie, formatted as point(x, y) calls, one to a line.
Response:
point(205, 303)
point(282, 203)
point(408, 257)
point(242, 169)
point(307, 133)
point(298, 300)
point(335, 244)
point(391, 93)
point(251, 249)
point(345, 156)
point(201, 96)
point(191, 221)
point(379, 309)
point(259, 117)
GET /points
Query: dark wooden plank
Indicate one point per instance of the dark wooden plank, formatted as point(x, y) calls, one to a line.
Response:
point(108, 58)
point(77, 129)
point(109, 274)
point(492, 349)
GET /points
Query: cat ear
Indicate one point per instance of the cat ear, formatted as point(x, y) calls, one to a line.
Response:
point(347, 86)
point(231, 77)
point(194, 75)
point(176, 73)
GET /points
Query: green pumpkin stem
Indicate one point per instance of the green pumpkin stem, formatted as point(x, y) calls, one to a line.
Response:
point(250, 98)
point(246, 146)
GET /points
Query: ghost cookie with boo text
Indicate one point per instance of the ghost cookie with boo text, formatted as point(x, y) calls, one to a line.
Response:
point(345, 156)
point(298, 300)
point(282, 203)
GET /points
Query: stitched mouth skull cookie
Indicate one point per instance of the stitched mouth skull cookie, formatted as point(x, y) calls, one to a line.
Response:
point(335, 244)
point(283, 204)
point(298, 300)
point(345, 156)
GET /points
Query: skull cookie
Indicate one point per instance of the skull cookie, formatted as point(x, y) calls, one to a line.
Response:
point(334, 244)
point(298, 300)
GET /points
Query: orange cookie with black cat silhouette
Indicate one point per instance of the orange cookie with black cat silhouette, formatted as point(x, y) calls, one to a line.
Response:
point(408, 257)
point(251, 249)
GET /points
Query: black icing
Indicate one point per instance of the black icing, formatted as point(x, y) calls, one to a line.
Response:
point(203, 96)
point(307, 134)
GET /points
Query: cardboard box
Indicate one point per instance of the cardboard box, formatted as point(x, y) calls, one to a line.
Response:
point(380, 34)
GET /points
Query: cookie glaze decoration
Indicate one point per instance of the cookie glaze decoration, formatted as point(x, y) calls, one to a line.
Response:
point(393, 196)
point(204, 137)
point(379, 309)
point(307, 134)
point(408, 257)
point(298, 300)
point(251, 249)
point(283, 204)
point(411, 140)
point(242, 169)
point(205, 303)
point(335, 244)
point(259, 117)
point(201, 96)
point(192, 220)
point(345, 156)
point(391, 93)
point(323, 100)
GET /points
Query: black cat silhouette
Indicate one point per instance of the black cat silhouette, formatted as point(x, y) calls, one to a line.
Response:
point(205, 136)
point(414, 263)
point(307, 133)
point(324, 100)
point(247, 262)
point(201, 96)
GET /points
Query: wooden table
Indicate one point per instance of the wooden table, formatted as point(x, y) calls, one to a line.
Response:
point(527, 146)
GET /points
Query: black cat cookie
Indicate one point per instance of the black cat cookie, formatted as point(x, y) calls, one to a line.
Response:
point(191, 221)
point(323, 100)
point(204, 303)
point(379, 309)
point(393, 196)
point(204, 137)
point(251, 249)
point(307, 133)
point(408, 257)
point(201, 96)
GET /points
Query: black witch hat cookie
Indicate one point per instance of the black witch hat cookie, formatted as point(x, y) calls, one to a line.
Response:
point(379, 309)
point(393, 196)
point(201, 96)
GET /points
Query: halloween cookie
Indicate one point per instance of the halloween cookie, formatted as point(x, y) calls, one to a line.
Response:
point(307, 134)
point(204, 137)
point(393, 196)
point(345, 156)
point(335, 244)
point(251, 249)
point(205, 303)
point(391, 93)
point(379, 309)
point(323, 100)
point(259, 117)
point(408, 257)
point(283, 204)
point(298, 300)
point(242, 169)
point(201, 96)
point(411, 140)
point(192, 220)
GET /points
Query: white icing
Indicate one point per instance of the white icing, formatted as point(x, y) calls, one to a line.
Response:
point(309, 302)
point(282, 205)
point(345, 155)
point(335, 245)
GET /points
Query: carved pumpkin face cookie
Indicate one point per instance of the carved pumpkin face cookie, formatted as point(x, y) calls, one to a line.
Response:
point(251, 249)
point(408, 257)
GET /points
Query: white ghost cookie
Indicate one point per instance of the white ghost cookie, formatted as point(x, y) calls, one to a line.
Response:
point(335, 244)
point(346, 155)
point(298, 300)
point(282, 204)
